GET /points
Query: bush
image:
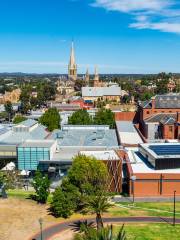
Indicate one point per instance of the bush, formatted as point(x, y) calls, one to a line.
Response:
point(18, 119)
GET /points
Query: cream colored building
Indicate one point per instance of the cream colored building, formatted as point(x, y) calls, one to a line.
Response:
point(12, 96)
point(104, 93)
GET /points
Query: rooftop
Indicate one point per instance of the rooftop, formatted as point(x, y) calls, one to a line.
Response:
point(36, 143)
point(27, 123)
point(165, 118)
point(162, 150)
point(85, 135)
point(128, 133)
point(140, 164)
point(166, 101)
point(16, 137)
point(101, 91)
point(101, 155)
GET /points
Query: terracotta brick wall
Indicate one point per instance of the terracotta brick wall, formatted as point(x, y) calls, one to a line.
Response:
point(125, 116)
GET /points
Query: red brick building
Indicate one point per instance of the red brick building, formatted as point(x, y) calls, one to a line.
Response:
point(143, 180)
point(159, 118)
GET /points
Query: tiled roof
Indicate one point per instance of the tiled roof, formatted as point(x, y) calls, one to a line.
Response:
point(163, 101)
point(167, 101)
point(164, 118)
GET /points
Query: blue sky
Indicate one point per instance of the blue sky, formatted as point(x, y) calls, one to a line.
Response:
point(120, 36)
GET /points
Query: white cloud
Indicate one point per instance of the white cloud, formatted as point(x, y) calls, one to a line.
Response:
point(162, 26)
point(162, 15)
point(133, 5)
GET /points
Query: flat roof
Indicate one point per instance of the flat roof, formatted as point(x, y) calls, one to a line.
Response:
point(127, 133)
point(101, 155)
point(86, 137)
point(36, 143)
point(140, 164)
point(65, 154)
point(162, 150)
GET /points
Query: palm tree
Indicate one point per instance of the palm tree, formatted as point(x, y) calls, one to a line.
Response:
point(107, 234)
point(103, 234)
point(98, 205)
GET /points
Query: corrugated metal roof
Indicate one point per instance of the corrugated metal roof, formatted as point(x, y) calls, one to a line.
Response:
point(101, 91)
point(83, 137)
point(27, 123)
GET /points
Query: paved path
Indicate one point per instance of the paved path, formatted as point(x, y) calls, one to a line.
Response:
point(144, 199)
point(49, 232)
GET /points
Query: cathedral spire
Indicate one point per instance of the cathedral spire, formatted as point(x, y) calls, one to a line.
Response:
point(96, 74)
point(72, 68)
point(96, 78)
point(87, 77)
point(72, 56)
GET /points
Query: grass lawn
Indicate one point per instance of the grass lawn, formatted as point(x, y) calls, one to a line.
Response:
point(151, 231)
point(19, 193)
point(145, 209)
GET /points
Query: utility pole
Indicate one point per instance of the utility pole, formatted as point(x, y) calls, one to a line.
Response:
point(133, 179)
point(40, 223)
point(174, 212)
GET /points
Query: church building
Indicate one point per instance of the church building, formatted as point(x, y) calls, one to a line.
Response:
point(72, 67)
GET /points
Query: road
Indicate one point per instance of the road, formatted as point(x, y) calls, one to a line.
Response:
point(49, 232)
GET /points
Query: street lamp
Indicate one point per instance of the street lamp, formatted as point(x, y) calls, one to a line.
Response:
point(174, 212)
point(133, 179)
point(40, 223)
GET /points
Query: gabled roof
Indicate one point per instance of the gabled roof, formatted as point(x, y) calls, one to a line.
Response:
point(101, 91)
point(27, 123)
point(164, 118)
point(166, 101)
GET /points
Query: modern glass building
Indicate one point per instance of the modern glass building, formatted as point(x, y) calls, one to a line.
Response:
point(30, 153)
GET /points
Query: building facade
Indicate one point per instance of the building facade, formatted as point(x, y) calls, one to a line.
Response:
point(159, 117)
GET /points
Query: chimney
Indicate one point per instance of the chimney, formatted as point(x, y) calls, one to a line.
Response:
point(153, 102)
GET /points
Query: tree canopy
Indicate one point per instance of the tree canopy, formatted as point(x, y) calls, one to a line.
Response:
point(80, 117)
point(9, 109)
point(102, 117)
point(84, 189)
point(105, 117)
point(41, 185)
point(51, 119)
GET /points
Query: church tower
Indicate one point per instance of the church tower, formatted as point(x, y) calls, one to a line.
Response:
point(87, 77)
point(72, 67)
point(96, 78)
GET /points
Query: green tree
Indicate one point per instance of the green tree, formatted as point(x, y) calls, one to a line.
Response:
point(84, 189)
point(10, 179)
point(25, 98)
point(146, 96)
point(80, 117)
point(51, 119)
point(105, 117)
point(41, 185)
point(18, 119)
point(9, 109)
point(98, 204)
point(64, 203)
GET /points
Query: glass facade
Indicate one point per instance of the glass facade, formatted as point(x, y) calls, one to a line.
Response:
point(28, 158)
